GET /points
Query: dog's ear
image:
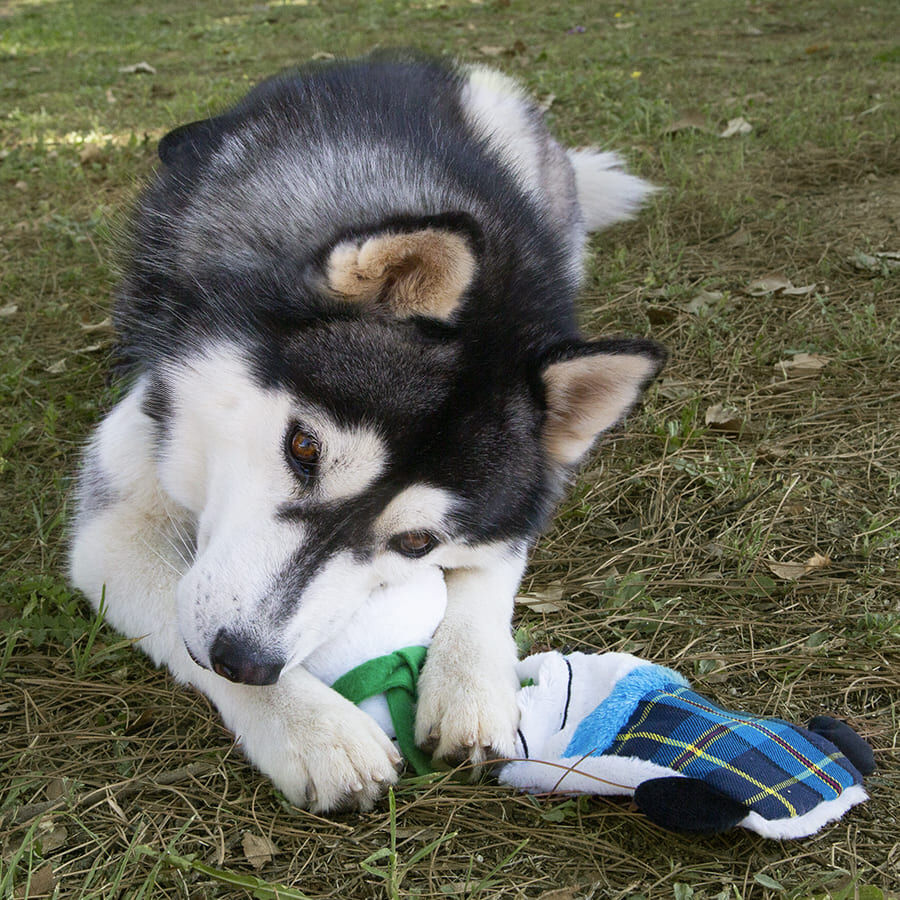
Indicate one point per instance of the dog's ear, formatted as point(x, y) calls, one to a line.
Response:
point(589, 387)
point(187, 144)
point(422, 271)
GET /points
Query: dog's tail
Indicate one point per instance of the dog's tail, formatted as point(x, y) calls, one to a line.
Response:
point(606, 192)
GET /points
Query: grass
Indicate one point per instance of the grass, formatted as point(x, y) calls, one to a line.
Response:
point(116, 783)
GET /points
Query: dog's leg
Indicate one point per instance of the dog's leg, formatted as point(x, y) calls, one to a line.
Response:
point(131, 547)
point(467, 693)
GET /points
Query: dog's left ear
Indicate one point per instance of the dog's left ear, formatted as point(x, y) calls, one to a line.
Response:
point(589, 387)
point(413, 271)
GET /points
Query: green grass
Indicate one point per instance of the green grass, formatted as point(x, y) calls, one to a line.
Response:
point(665, 543)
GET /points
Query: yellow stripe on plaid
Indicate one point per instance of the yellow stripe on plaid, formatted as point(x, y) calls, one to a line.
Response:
point(809, 767)
point(683, 745)
point(792, 780)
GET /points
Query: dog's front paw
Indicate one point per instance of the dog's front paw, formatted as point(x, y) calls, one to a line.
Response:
point(324, 756)
point(467, 715)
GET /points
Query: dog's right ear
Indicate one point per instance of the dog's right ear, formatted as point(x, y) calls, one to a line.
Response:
point(187, 144)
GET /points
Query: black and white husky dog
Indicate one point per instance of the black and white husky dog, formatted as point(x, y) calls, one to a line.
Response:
point(347, 324)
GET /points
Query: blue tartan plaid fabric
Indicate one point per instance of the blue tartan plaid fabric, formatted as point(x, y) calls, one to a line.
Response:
point(773, 768)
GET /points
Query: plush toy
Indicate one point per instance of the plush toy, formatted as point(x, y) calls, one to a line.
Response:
point(612, 723)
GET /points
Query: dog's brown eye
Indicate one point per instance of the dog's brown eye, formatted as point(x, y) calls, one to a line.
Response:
point(303, 451)
point(304, 448)
point(414, 543)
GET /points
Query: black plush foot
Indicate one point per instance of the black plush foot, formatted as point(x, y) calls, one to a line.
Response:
point(846, 740)
point(687, 805)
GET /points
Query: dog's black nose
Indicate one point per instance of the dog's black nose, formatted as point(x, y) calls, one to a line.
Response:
point(238, 661)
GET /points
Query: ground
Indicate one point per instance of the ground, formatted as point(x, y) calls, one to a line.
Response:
point(675, 539)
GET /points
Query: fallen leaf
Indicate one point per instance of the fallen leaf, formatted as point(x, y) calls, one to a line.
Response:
point(792, 571)
point(769, 453)
point(259, 850)
point(547, 600)
point(137, 69)
point(661, 315)
point(787, 571)
point(675, 390)
point(41, 884)
point(693, 120)
point(722, 417)
point(9, 310)
point(90, 153)
point(56, 788)
point(57, 367)
point(110, 96)
point(703, 301)
point(736, 126)
point(52, 835)
point(548, 101)
point(322, 55)
point(566, 893)
point(491, 51)
point(768, 284)
point(739, 238)
point(876, 262)
point(802, 365)
point(103, 325)
point(818, 48)
point(798, 291)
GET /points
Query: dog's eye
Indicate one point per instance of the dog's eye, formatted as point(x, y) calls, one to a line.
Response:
point(413, 543)
point(303, 451)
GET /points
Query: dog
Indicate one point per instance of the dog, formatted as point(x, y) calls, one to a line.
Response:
point(350, 356)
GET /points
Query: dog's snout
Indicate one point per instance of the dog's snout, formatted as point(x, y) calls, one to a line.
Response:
point(243, 663)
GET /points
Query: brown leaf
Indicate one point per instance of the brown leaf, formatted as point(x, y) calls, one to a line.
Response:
point(492, 51)
point(566, 893)
point(703, 301)
point(103, 325)
point(768, 284)
point(799, 291)
point(90, 153)
point(736, 127)
point(792, 571)
point(692, 120)
point(55, 789)
point(41, 884)
point(739, 238)
point(548, 600)
point(802, 365)
point(722, 417)
point(259, 850)
point(661, 315)
point(142, 67)
point(877, 262)
point(52, 835)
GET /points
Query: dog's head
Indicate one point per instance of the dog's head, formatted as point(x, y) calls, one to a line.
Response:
point(336, 452)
